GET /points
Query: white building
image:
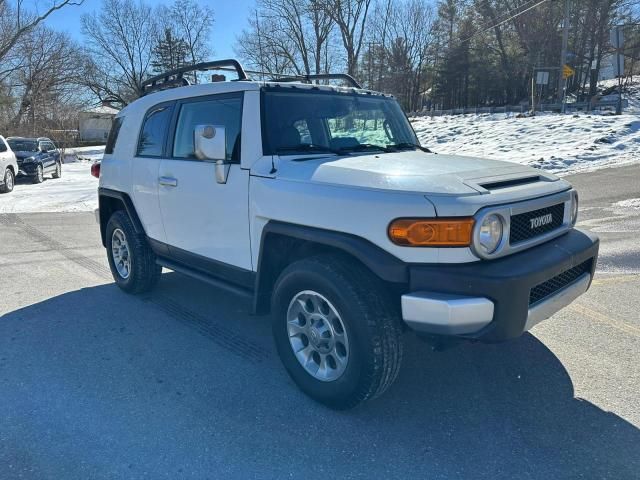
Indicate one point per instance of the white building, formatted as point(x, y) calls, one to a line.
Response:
point(96, 123)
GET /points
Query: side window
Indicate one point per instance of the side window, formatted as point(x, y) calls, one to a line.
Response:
point(3, 147)
point(154, 131)
point(225, 111)
point(113, 135)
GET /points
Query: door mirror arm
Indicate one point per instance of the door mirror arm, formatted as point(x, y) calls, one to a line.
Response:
point(211, 146)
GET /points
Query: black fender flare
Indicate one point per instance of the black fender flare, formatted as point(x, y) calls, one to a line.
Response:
point(105, 213)
point(383, 264)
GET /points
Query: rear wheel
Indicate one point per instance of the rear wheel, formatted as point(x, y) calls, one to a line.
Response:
point(58, 171)
point(132, 262)
point(39, 175)
point(9, 181)
point(337, 330)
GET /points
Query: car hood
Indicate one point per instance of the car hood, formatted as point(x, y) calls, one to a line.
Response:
point(409, 171)
point(23, 155)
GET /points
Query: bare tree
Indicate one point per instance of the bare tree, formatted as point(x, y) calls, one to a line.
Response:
point(15, 22)
point(191, 23)
point(120, 41)
point(351, 17)
point(287, 36)
point(44, 84)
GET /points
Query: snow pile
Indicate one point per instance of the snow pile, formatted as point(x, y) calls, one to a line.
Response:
point(86, 154)
point(76, 191)
point(630, 203)
point(561, 144)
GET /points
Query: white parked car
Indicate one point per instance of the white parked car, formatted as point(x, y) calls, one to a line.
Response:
point(8, 167)
point(318, 205)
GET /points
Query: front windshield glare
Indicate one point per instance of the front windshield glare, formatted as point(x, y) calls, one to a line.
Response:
point(318, 121)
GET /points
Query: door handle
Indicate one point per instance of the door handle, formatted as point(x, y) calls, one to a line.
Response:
point(168, 181)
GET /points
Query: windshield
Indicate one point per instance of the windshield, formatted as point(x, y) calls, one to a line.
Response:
point(319, 121)
point(23, 145)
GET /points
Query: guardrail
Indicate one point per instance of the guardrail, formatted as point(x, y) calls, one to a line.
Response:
point(543, 107)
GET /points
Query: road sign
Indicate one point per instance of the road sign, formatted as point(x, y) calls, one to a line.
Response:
point(567, 71)
point(542, 78)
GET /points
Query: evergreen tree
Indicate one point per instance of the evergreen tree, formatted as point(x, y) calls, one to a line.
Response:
point(169, 53)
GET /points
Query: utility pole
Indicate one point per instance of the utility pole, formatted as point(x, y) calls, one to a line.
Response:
point(533, 94)
point(618, 53)
point(563, 55)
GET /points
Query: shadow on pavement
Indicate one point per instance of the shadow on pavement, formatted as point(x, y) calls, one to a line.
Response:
point(183, 383)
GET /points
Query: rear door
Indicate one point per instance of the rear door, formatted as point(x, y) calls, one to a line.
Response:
point(151, 146)
point(205, 220)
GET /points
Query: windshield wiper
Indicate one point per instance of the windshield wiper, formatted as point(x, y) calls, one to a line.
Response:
point(407, 145)
point(307, 148)
point(363, 147)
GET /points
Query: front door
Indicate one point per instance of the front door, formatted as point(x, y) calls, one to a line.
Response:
point(202, 218)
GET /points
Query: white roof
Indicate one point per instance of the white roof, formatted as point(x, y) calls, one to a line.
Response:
point(102, 110)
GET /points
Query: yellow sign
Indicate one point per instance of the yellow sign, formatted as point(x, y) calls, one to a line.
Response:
point(567, 72)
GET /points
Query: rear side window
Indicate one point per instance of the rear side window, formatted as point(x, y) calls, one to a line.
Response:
point(225, 111)
point(154, 131)
point(113, 135)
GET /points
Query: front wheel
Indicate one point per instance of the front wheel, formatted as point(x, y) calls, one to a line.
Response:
point(337, 330)
point(39, 175)
point(132, 262)
point(9, 181)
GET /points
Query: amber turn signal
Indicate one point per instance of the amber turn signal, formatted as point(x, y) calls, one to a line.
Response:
point(423, 232)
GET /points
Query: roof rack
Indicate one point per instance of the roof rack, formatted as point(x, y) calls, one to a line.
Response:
point(321, 76)
point(175, 78)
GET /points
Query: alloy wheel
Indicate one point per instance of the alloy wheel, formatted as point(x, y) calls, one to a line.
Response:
point(317, 336)
point(120, 253)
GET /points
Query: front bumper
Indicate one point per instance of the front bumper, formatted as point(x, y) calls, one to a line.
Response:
point(27, 169)
point(496, 300)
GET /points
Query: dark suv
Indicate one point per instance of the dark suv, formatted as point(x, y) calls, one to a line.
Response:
point(36, 157)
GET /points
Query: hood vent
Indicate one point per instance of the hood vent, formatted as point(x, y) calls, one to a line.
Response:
point(510, 183)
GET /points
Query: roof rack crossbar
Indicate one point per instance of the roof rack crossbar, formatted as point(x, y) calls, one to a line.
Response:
point(165, 80)
point(322, 76)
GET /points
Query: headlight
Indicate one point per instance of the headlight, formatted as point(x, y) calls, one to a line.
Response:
point(574, 208)
point(490, 233)
point(28, 159)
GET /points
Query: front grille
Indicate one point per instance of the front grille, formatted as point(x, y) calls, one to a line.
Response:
point(524, 227)
point(551, 286)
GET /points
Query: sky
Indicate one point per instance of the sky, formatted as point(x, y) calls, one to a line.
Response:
point(230, 19)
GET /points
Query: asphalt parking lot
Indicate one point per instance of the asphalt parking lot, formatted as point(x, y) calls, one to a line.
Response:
point(184, 383)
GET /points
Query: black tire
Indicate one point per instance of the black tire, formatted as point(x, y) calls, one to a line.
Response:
point(57, 173)
point(144, 273)
point(371, 320)
point(9, 181)
point(39, 175)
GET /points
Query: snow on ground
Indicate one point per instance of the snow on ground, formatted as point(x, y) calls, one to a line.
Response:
point(76, 191)
point(561, 144)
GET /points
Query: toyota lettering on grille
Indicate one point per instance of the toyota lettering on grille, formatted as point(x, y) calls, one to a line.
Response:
point(541, 220)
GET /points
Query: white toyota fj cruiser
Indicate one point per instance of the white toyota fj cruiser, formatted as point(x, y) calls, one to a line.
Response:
point(319, 204)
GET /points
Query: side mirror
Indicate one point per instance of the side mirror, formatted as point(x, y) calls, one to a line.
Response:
point(211, 145)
